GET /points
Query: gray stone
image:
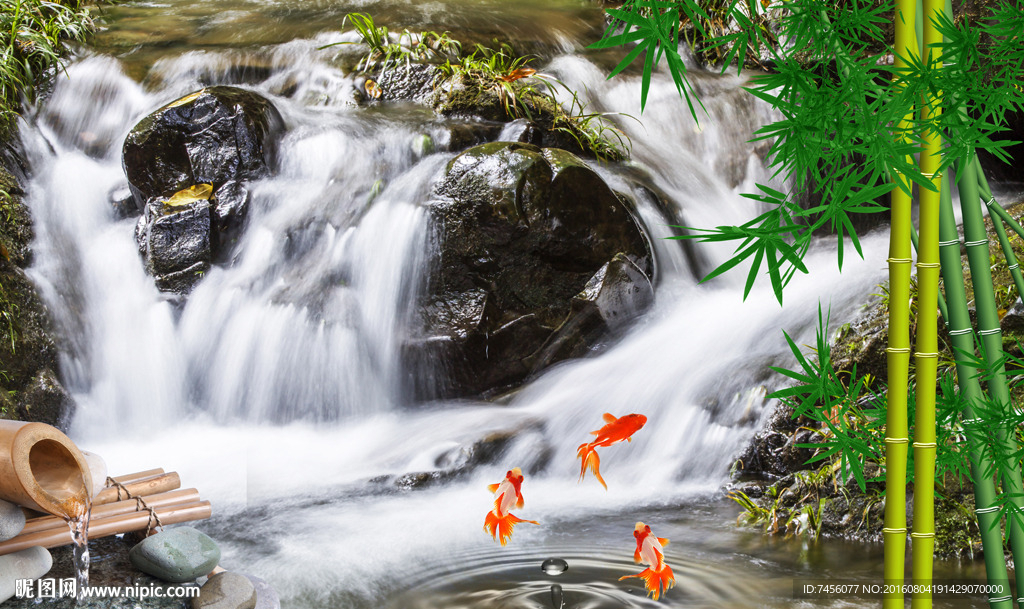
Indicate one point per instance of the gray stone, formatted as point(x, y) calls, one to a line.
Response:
point(266, 596)
point(12, 520)
point(176, 555)
point(226, 591)
point(30, 563)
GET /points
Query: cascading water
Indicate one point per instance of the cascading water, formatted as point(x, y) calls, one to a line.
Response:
point(276, 387)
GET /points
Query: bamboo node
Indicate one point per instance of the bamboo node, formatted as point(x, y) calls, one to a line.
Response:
point(960, 331)
point(927, 265)
point(896, 440)
point(895, 530)
point(971, 421)
point(991, 201)
point(987, 510)
point(989, 332)
point(922, 535)
point(925, 445)
point(925, 355)
point(950, 242)
point(1001, 599)
point(897, 349)
point(1013, 266)
point(976, 243)
point(899, 260)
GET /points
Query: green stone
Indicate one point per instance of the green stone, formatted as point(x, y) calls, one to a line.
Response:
point(176, 555)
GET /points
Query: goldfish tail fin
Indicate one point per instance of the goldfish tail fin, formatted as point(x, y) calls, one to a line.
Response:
point(655, 581)
point(500, 527)
point(593, 461)
point(493, 487)
point(663, 541)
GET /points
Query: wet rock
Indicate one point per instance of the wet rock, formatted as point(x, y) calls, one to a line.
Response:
point(45, 400)
point(617, 294)
point(226, 591)
point(212, 136)
point(462, 135)
point(175, 243)
point(31, 563)
point(522, 230)
point(230, 208)
point(12, 520)
point(176, 555)
point(522, 130)
point(122, 202)
point(266, 596)
point(409, 84)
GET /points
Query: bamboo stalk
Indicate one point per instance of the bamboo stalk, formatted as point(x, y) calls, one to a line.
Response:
point(114, 509)
point(959, 324)
point(988, 327)
point(927, 349)
point(152, 485)
point(999, 221)
point(898, 350)
point(113, 525)
point(149, 473)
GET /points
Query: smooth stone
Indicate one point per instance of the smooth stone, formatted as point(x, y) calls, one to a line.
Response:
point(30, 563)
point(226, 590)
point(98, 470)
point(12, 520)
point(176, 555)
point(266, 596)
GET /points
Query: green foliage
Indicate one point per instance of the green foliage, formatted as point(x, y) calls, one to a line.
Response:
point(32, 36)
point(406, 47)
point(840, 137)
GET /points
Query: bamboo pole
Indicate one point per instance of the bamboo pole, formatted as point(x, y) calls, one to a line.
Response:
point(115, 509)
point(927, 349)
point(962, 338)
point(113, 525)
point(988, 328)
point(160, 483)
point(149, 473)
point(898, 349)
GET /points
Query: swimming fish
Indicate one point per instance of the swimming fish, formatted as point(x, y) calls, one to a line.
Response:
point(615, 430)
point(657, 576)
point(500, 521)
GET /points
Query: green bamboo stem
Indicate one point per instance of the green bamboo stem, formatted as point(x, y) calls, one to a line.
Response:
point(894, 532)
point(959, 323)
point(943, 311)
point(988, 327)
point(926, 355)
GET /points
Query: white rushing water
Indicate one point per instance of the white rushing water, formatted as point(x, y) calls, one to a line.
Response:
point(279, 381)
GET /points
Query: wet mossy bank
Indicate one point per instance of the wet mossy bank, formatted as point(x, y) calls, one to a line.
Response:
point(29, 385)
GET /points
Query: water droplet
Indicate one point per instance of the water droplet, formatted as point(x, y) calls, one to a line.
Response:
point(554, 566)
point(556, 596)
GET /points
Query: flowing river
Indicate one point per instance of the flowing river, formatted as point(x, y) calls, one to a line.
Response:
point(278, 390)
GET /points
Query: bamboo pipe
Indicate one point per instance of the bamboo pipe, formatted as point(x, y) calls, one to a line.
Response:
point(149, 473)
point(114, 525)
point(146, 486)
point(115, 509)
point(42, 469)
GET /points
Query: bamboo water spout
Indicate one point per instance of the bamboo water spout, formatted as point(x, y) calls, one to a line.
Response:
point(42, 469)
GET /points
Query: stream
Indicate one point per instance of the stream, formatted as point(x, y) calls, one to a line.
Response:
point(278, 391)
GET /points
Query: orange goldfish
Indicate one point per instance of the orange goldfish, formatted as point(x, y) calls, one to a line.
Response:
point(500, 521)
point(615, 430)
point(657, 576)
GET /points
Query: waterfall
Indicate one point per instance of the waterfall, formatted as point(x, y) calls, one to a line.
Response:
point(280, 377)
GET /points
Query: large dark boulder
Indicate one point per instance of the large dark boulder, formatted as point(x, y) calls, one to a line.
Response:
point(212, 136)
point(220, 136)
point(523, 234)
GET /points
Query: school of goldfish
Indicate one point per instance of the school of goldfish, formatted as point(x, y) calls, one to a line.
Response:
point(500, 521)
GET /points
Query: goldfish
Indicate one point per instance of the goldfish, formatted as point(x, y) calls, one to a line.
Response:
point(500, 521)
point(615, 430)
point(657, 576)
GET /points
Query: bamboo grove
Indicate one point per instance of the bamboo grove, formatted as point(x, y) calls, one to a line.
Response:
point(856, 127)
